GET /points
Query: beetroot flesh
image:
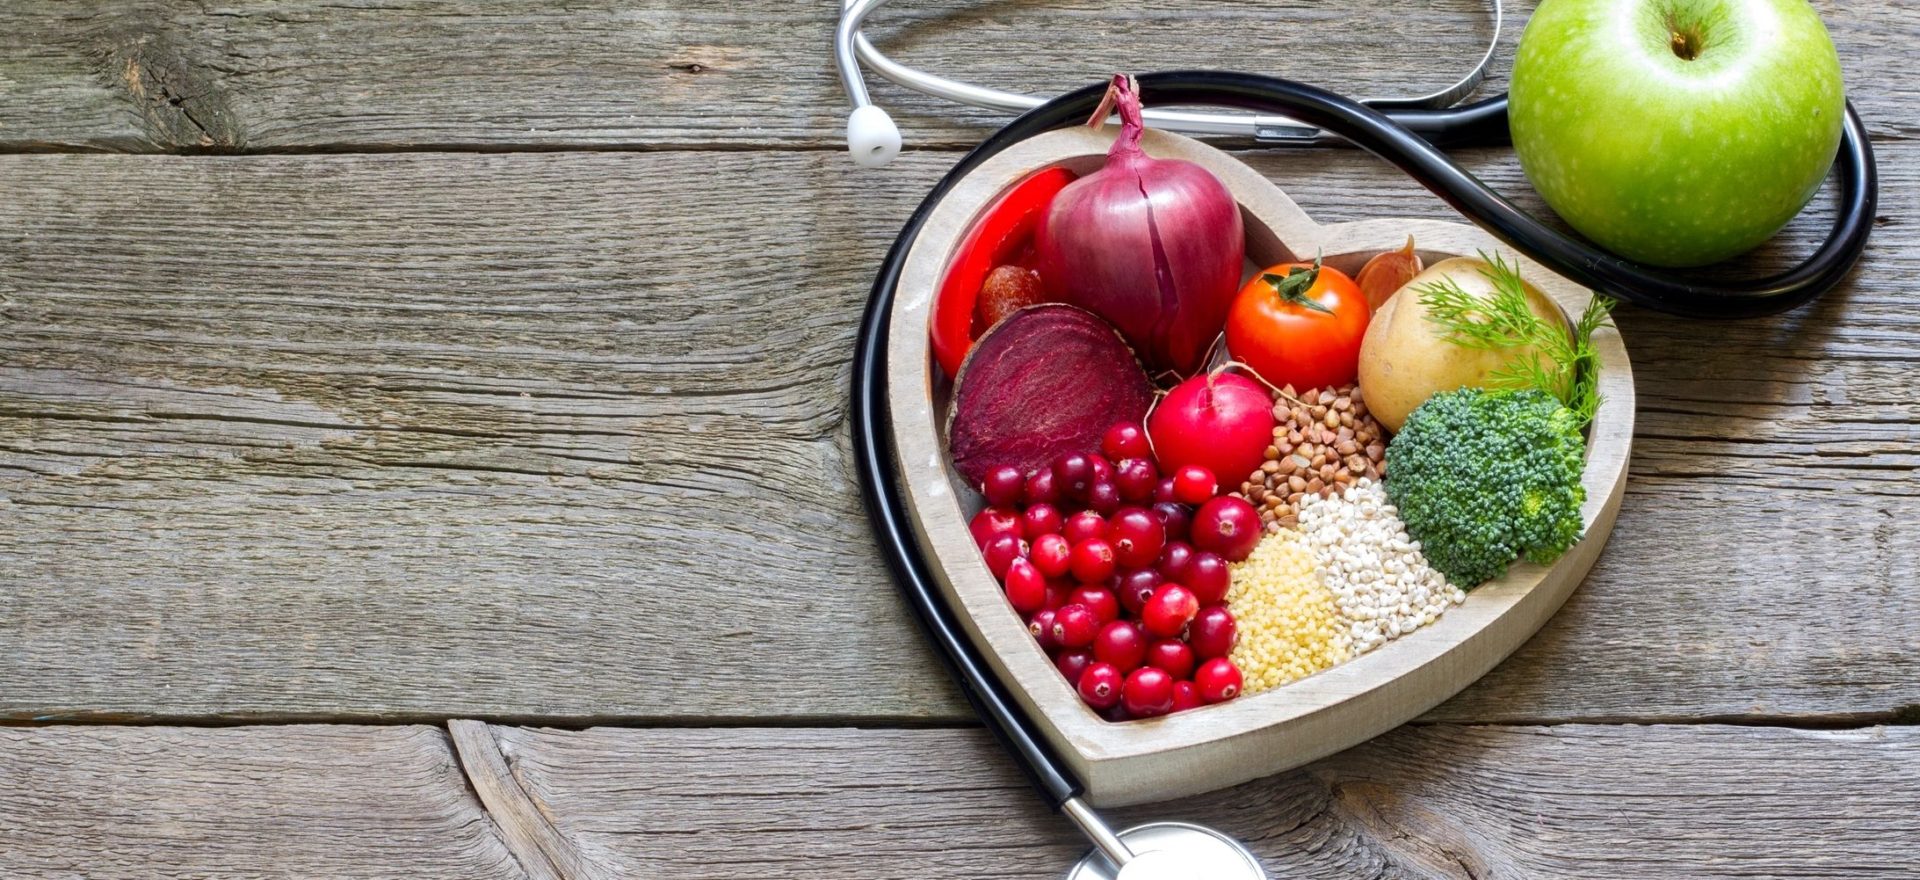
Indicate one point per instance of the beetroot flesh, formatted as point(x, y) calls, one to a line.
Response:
point(1049, 379)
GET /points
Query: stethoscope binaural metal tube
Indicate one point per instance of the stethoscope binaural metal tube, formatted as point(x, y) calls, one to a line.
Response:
point(873, 139)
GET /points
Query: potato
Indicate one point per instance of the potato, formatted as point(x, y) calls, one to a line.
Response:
point(1406, 358)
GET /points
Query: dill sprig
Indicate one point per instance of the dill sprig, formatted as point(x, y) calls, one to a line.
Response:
point(1567, 366)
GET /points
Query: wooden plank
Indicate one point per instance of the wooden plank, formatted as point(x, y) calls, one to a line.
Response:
point(319, 75)
point(560, 437)
point(142, 802)
point(1424, 801)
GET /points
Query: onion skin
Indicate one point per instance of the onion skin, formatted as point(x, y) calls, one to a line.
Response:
point(1154, 246)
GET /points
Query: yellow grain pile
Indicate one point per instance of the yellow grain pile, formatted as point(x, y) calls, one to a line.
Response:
point(1289, 626)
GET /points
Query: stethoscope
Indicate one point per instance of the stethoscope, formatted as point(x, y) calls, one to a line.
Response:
point(1409, 134)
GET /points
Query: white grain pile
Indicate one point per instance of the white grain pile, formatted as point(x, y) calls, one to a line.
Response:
point(1380, 581)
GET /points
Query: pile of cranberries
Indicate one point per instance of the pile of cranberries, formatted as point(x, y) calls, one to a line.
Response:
point(1121, 573)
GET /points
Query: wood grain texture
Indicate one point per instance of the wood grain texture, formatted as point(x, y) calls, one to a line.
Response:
point(171, 75)
point(492, 436)
point(292, 801)
point(525, 830)
point(1442, 801)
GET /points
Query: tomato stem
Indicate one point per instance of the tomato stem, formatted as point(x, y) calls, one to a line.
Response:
point(1292, 288)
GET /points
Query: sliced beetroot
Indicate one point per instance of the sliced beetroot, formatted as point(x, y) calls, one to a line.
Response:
point(1049, 379)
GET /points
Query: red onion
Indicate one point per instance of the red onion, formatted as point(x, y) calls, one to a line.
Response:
point(1154, 246)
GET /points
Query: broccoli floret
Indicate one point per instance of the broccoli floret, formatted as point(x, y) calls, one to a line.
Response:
point(1485, 477)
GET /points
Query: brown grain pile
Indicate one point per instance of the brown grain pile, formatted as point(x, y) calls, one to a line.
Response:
point(1325, 441)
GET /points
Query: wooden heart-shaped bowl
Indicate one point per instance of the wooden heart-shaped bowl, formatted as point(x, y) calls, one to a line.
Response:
point(1257, 735)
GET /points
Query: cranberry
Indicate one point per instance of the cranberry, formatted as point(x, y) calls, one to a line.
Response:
point(1163, 492)
point(1041, 519)
point(1228, 526)
point(1148, 692)
point(1092, 561)
point(1100, 685)
point(1001, 552)
point(1218, 680)
point(1174, 560)
point(1186, 696)
point(1058, 592)
point(1167, 613)
point(1103, 497)
point(1135, 478)
point(1172, 656)
point(1102, 468)
point(1073, 663)
point(1125, 440)
point(1208, 577)
point(1084, 526)
point(1194, 484)
point(1122, 643)
point(1050, 554)
point(1072, 473)
point(1004, 486)
point(1212, 632)
point(1099, 600)
point(1136, 587)
point(1175, 517)
point(993, 522)
point(1116, 713)
point(1040, 487)
point(1074, 626)
point(1026, 587)
point(1137, 537)
point(1041, 625)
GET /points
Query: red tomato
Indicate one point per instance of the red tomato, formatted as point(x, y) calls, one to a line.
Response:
point(1299, 324)
point(997, 238)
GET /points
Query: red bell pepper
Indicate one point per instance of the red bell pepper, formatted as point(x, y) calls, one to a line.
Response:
point(1001, 235)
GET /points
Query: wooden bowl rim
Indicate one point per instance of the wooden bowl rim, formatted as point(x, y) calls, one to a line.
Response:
point(1232, 742)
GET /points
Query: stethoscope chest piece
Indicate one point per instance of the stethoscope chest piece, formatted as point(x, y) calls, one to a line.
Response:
point(1173, 851)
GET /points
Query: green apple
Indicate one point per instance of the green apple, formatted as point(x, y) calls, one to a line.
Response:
point(1676, 132)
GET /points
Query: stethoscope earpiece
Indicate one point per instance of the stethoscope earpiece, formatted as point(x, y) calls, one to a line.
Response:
point(872, 137)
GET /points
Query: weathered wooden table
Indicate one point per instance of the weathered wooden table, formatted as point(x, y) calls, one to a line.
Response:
point(423, 454)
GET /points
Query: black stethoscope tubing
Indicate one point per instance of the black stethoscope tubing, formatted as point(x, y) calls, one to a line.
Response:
point(1411, 140)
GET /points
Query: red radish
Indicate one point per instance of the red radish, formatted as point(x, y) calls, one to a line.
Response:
point(1045, 382)
point(1154, 245)
point(1219, 421)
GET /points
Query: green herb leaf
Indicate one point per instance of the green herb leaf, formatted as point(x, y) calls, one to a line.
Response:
point(1567, 366)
